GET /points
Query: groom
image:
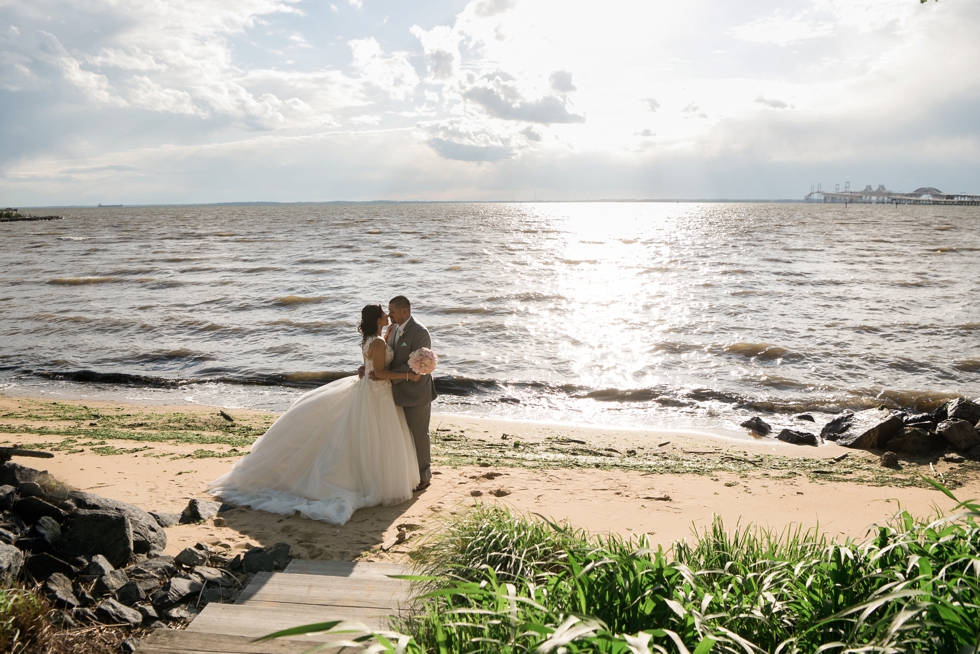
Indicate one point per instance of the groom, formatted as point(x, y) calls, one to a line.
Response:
point(405, 336)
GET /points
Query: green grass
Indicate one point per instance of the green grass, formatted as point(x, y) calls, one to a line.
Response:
point(494, 581)
point(22, 623)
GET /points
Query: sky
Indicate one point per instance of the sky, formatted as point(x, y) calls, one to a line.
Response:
point(186, 101)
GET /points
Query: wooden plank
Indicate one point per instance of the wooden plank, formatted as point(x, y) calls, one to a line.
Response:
point(174, 641)
point(347, 568)
point(322, 590)
point(260, 618)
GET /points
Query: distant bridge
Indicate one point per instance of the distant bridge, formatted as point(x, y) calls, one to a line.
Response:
point(881, 195)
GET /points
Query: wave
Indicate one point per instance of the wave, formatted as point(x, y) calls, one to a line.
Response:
point(81, 281)
point(290, 300)
point(765, 351)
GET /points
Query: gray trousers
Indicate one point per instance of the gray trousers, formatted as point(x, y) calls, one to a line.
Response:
point(417, 418)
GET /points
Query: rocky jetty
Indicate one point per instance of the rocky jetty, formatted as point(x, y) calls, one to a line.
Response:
point(952, 430)
point(9, 215)
point(101, 561)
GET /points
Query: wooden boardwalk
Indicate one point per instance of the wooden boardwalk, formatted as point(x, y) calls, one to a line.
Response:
point(306, 592)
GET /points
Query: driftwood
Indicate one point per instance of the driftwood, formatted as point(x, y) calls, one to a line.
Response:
point(7, 452)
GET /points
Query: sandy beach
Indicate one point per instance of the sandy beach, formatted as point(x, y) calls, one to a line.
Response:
point(627, 482)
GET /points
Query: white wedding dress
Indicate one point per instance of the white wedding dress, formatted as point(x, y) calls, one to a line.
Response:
point(338, 448)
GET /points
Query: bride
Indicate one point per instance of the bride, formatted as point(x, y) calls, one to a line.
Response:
point(338, 448)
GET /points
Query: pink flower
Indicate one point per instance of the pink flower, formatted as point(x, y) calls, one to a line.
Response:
point(422, 361)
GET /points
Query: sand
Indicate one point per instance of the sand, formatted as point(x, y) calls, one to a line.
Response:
point(609, 499)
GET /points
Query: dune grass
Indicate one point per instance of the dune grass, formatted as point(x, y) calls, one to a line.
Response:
point(22, 621)
point(493, 581)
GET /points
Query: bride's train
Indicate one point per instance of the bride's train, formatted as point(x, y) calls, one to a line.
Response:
point(340, 447)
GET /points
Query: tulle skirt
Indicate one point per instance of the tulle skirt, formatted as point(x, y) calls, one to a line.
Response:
point(338, 448)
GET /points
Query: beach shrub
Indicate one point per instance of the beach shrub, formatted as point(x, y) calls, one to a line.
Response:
point(495, 581)
point(22, 623)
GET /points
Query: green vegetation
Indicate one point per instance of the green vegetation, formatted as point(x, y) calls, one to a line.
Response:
point(22, 623)
point(497, 582)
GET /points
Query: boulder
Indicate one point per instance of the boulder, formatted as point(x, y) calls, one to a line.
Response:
point(215, 576)
point(165, 519)
point(796, 437)
point(261, 559)
point(58, 588)
point(32, 489)
point(11, 562)
point(191, 556)
point(99, 566)
point(175, 590)
point(41, 566)
point(888, 460)
point(916, 442)
point(7, 537)
point(183, 613)
point(112, 612)
point(148, 612)
point(973, 454)
point(33, 508)
point(48, 529)
point(953, 457)
point(940, 414)
point(110, 582)
point(61, 620)
point(870, 429)
point(918, 418)
point(758, 425)
point(159, 567)
point(8, 495)
point(960, 409)
point(198, 511)
point(805, 417)
point(108, 533)
point(14, 474)
point(130, 593)
point(148, 535)
point(960, 434)
point(837, 425)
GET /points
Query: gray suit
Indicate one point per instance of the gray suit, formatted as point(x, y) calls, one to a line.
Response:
point(414, 397)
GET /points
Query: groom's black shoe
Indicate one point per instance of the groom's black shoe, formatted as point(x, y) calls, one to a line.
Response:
point(422, 486)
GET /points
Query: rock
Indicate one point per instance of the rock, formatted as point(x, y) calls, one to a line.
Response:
point(476, 493)
point(11, 562)
point(109, 533)
point(159, 567)
point(99, 566)
point(33, 508)
point(236, 563)
point(958, 409)
point(129, 645)
point(214, 575)
point(940, 414)
point(211, 595)
point(110, 582)
point(14, 474)
point(758, 425)
point(918, 419)
point(41, 566)
point(130, 593)
point(58, 588)
point(183, 612)
point(973, 454)
point(7, 537)
point(199, 511)
point(191, 557)
point(32, 489)
point(87, 615)
point(48, 529)
point(148, 535)
point(797, 437)
point(175, 590)
point(157, 624)
point(837, 425)
point(261, 559)
point(85, 598)
point(870, 429)
point(960, 434)
point(916, 442)
point(888, 460)
point(113, 612)
point(806, 417)
point(952, 457)
point(148, 612)
point(8, 495)
point(61, 620)
point(165, 519)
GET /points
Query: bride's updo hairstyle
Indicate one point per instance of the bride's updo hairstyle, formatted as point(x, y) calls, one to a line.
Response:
point(369, 321)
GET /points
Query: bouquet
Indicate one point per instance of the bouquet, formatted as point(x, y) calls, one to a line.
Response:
point(422, 361)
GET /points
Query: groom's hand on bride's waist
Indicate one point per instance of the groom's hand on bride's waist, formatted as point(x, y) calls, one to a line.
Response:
point(360, 372)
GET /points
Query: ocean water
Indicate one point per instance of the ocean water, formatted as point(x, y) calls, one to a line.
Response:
point(658, 315)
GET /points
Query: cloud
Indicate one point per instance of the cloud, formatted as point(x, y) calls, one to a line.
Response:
point(773, 104)
point(647, 132)
point(462, 140)
point(488, 8)
point(561, 82)
point(778, 30)
point(394, 75)
point(465, 152)
point(503, 101)
point(531, 134)
point(652, 105)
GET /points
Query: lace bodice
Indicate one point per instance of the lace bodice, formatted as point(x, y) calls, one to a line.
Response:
point(368, 361)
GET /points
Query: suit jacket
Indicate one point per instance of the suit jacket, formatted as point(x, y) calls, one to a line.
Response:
point(409, 393)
